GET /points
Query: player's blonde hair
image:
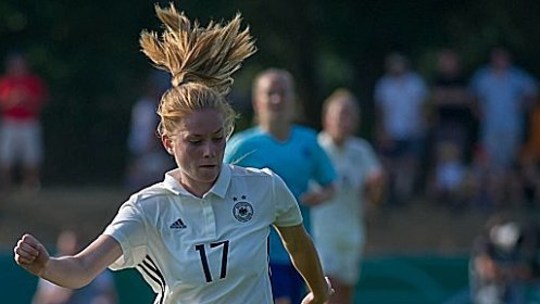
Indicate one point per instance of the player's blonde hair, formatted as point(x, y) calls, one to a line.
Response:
point(201, 61)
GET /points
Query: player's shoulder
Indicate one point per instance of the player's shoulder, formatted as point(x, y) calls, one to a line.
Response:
point(481, 73)
point(304, 131)
point(251, 179)
point(244, 138)
point(250, 172)
point(246, 134)
point(149, 194)
point(359, 143)
point(304, 135)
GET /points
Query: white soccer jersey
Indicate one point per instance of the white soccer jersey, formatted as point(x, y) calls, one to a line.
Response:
point(337, 225)
point(205, 250)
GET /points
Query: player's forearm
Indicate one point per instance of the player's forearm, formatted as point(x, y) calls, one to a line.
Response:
point(305, 259)
point(328, 192)
point(319, 195)
point(374, 187)
point(67, 271)
point(79, 270)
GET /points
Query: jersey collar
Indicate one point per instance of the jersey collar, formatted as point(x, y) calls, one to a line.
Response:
point(222, 183)
point(220, 186)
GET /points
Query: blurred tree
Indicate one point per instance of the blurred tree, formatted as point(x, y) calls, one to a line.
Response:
point(88, 52)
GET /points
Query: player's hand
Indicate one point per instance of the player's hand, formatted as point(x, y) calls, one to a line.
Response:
point(313, 198)
point(31, 255)
point(311, 299)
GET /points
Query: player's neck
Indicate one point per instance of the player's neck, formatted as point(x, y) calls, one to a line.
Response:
point(280, 132)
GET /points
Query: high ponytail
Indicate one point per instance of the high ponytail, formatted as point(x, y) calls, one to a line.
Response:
point(201, 61)
point(192, 53)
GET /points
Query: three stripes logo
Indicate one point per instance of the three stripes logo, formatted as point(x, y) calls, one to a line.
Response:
point(178, 224)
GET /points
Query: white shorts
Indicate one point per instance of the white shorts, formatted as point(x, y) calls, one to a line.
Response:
point(20, 141)
point(341, 255)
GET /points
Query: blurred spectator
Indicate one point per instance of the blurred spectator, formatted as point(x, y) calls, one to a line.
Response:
point(504, 262)
point(400, 97)
point(100, 291)
point(503, 93)
point(22, 96)
point(450, 172)
point(451, 101)
point(148, 160)
point(338, 225)
point(451, 140)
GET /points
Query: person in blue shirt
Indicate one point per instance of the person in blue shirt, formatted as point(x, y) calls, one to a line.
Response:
point(504, 93)
point(292, 152)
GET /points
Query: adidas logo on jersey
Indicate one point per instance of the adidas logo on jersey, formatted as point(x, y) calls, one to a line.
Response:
point(178, 224)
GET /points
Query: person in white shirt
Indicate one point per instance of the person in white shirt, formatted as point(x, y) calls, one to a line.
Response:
point(200, 236)
point(338, 224)
point(400, 97)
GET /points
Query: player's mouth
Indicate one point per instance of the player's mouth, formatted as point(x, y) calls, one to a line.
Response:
point(209, 166)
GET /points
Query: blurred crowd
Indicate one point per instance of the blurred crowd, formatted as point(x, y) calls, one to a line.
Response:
point(469, 142)
point(22, 97)
point(459, 140)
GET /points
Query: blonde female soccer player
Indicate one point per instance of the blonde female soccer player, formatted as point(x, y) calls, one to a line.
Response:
point(200, 235)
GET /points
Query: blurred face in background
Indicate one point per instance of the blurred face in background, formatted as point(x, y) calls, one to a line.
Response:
point(341, 119)
point(448, 63)
point(273, 99)
point(396, 64)
point(198, 146)
point(500, 59)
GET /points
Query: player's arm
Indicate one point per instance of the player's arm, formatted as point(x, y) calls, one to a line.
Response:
point(374, 187)
point(318, 195)
point(306, 260)
point(73, 271)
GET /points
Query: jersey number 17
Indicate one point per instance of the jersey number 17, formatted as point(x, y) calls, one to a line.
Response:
point(201, 248)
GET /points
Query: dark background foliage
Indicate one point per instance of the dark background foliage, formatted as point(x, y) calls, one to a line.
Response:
point(88, 53)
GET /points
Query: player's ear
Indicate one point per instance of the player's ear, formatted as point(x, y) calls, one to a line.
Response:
point(167, 144)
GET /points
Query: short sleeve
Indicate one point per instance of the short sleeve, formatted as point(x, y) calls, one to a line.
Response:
point(287, 210)
point(128, 229)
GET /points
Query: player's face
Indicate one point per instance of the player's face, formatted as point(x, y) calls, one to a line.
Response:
point(274, 99)
point(340, 120)
point(198, 146)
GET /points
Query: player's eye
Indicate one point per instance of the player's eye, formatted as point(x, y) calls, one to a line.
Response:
point(217, 138)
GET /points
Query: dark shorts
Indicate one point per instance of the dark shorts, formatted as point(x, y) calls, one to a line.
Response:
point(286, 282)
